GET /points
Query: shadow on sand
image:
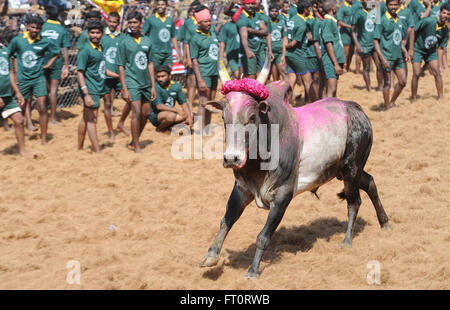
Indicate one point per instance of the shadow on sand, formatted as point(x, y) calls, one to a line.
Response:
point(291, 240)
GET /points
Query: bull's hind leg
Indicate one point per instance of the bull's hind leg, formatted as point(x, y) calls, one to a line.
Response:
point(368, 185)
point(351, 191)
point(237, 202)
point(277, 209)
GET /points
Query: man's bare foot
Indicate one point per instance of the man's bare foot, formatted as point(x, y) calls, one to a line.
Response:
point(121, 128)
point(111, 137)
point(31, 127)
point(55, 122)
point(28, 154)
point(131, 147)
point(391, 105)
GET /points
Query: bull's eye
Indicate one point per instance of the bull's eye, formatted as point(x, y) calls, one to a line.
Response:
point(252, 118)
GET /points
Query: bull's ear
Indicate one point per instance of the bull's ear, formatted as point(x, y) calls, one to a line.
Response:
point(219, 105)
point(263, 107)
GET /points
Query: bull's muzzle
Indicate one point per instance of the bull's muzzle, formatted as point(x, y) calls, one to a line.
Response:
point(234, 161)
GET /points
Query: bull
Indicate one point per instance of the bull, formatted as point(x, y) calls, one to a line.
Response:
point(318, 142)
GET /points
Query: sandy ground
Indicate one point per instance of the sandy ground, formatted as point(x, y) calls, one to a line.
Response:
point(165, 212)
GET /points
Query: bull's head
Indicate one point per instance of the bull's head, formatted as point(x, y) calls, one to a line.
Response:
point(242, 113)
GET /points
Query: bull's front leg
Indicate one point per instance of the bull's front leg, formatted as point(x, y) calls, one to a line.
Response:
point(277, 209)
point(237, 202)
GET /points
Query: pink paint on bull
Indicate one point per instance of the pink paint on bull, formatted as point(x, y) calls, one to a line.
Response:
point(238, 101)
point(320, 114)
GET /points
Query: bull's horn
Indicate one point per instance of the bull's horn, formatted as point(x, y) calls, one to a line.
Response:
point(223, 73)
point(264, 75)
point(216, 104)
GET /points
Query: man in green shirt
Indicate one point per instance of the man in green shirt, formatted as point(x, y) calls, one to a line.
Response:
point(430, 34)
point(204, 52)
point(54, 31)
point(160, 28)
point(84, 38)
point(252, 31)
point(188, 30)
point(29, 50)
point(278, 33)
point(137, 76)
point(164, 113)
point(230, 48)
point(333, 57)
point(389, 45)
point(344, 16)
point(296, 49)
point(420, 9)
point(363, 27)
point(293, 9)
point(111, 39)
point(91, 74)
point(284, 10)
point(9, 107)
point(318, 44)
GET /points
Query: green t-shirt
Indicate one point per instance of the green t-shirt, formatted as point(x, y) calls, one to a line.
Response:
point(292, 11)
point(330, 33)
point(365, 22)
point(180, 34)
point(278, 31)
point(92, 61)
point(317, 32)
point(246, 20)
point(390, 34)
point(31, 55)
point(230, 36)
point(189, 29)
point(356, 4)
point(296, 30)
point(311, 21)
point(430, 35)
point(169, 96)
point(82, 39)
point(110, 45)
point(5, 66)
point(266, 19)
point(417, 9)
point(134, 57)
point(345, 14)
point(405, 16)
point(54, 31)
point(436, 7)
point(160, 31)
point(205, 48)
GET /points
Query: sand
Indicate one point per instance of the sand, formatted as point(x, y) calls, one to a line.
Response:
point(145, 221)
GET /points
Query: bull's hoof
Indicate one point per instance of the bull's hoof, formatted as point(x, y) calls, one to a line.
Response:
point(345, 244)
point(386, 227)
point(252, 275)
point(209, 260)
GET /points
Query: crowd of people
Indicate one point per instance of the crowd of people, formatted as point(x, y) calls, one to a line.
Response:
point(309, 43)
